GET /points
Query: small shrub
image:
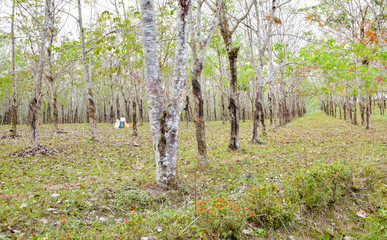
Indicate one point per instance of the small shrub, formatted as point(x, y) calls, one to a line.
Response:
point(323, 184)
point(270, 205)
point(222, 218)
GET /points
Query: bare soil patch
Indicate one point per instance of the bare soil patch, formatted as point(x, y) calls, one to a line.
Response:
point(41, 150)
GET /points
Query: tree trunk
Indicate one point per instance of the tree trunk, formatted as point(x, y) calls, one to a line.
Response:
point(380, 102)
point(243, 114)
point(104, 111)
point(118, 106)
point(234, 101)
point(199, 115)
point(368, 112)
point(35, 103)
point(208, 111)
point(350, 112)
point(129, 114)
point(214, 107)
point(197, 64)
point(155, 96)
point(179, 79)
point(362, 109)
point(134, 112)
point(141, 112)
point(90, 101)
point(164, 128)
point(53, 88)
point(271, 104)
point(283, 110)
point(75, 120)
point(232, 53)
point(223, 109)
point(112, 120)
point(272, 98)
point(258, 114)
point(70, 112)
point(126, 108)
point(47, 112)
point(14, 89)
point(345, 110)
point(186, 109)
point(222, 93)
point(354, 110)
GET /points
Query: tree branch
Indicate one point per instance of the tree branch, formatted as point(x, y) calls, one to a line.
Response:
point(242, 18)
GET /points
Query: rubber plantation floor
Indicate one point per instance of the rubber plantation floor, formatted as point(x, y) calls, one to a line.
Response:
point(106, 189)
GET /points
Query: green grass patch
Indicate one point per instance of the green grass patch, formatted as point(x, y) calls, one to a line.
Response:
point(318, 177)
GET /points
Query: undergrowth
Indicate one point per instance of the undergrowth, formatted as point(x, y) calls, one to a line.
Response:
point(315, 178)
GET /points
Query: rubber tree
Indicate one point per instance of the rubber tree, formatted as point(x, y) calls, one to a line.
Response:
point(164, 123)
point(258, 69)
point(87, 76)
point(196, 72)
point(232, 53)
point(35, 103)
point(50, 76)
point(14, 90)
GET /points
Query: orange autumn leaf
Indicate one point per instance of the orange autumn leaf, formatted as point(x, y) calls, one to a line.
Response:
point(380, 79)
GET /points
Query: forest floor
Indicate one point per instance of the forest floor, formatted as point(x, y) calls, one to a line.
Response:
point(318, 177)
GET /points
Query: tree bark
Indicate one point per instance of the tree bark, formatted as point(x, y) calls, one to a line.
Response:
point(179, 79)
point(141, 111)
point(48, 113)
point(234, 101)
point(112, 119)
point(164, 127)
point(345, 110)
point(214, 107)
point(90, 100)
point(70, 112)
point(104, 111)
point(155, 96)
point(232, 53)
point(35, 103)
point(258, 112)
point(283, 109)
point(14, 89)
point(223, 109)
point(208, 116)
point(118, 105)
point(362, 108)
point(380, 102)
point(134, 112)
point(197, 64)
point(354, 110)
point(368, 111)
point(199, 115)
point(53, 88)
point(186, 109)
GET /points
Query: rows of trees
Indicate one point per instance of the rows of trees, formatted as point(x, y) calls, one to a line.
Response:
point(352, 62)
point(66, 61)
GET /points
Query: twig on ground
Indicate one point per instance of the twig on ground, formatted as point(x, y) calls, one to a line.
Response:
point(190, 224)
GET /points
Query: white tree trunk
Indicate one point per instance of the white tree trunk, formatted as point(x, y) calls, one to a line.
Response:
point(179, 79)
point(164, 127)
point(153, 79)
